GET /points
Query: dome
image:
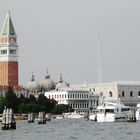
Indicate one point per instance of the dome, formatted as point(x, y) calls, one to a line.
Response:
point(61, 84)
point(48, 84)
point(32, 85)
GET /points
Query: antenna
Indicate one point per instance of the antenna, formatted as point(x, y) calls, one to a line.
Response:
point(99, 61)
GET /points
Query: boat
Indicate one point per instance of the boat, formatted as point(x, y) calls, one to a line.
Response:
point(138, 112)
point(41, 118)
point(20, 117)
point(59, 117)
point(30, 118)
point(112, 112)
point(93, 117)
point(8, 120)
point(73, 115)
point(0, 117)
point(48, 117)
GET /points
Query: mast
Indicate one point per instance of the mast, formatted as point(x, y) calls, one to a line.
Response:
point(99, 61)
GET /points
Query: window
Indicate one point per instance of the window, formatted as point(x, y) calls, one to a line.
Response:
point(84, 96)
point(139, 93)
point(110, 94)
point(3, 51)
point(123, 94)
point(131, 94)
point(12, 51)
point(109, 110)
point(97, 103)
point(125, 109)
point(78, 95)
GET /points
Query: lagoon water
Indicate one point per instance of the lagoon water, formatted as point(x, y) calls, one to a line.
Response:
point(73, 129)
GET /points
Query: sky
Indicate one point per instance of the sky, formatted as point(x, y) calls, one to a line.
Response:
point(62, 35)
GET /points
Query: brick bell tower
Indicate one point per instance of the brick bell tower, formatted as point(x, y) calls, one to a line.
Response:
point(8, 54)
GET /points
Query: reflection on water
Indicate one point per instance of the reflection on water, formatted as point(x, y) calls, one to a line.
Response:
point(73, 129)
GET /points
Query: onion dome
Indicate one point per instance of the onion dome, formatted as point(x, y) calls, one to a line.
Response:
point(48, 83)
point(61, 84)
point(32, 85)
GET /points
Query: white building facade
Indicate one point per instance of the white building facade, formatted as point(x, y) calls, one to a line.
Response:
point(127, 92)
point(78, 99)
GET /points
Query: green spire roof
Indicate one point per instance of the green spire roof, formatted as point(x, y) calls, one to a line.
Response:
point(8, 28)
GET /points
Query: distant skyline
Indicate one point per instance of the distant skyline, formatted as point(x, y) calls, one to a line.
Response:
point(62, 35)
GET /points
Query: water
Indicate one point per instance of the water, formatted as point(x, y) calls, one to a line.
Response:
point(73, 129)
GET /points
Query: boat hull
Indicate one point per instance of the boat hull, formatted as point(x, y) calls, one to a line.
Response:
point(111, 118)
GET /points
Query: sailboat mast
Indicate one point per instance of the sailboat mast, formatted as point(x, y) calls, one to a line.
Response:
point(99, 61)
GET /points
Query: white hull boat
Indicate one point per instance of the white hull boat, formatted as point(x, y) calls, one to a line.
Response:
point(92, 117)
point(73, 116)
point(112, 112)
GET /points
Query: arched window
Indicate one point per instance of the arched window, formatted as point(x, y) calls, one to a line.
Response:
point(110, 94)
point(131, 94)
point(123, 95)
point(139, 93)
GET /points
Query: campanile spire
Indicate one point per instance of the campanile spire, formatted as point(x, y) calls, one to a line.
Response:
point(8, 54)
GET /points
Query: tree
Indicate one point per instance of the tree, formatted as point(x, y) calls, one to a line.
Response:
point(11, 99)
point(62, 108)
point(47, 103)
point(30, 107)
point(2, 104)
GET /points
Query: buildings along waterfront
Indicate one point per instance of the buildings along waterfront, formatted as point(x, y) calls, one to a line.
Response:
point(81, 97)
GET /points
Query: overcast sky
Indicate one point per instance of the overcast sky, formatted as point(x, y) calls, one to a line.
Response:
point(61, 35)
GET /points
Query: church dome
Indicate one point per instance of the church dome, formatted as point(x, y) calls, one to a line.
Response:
point(32, 85)
point(48, 83)
point(61, 84)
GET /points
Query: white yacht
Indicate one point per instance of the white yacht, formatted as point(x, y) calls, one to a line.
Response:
point(112, 112)
point(138, 112)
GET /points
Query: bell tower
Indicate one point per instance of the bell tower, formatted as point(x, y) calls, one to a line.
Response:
point(8, 54)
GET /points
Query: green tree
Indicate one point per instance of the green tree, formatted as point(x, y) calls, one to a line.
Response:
point(47, 103)
point(2, 104)
point(30, 107)
point(11, 99)
point(62, 108)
